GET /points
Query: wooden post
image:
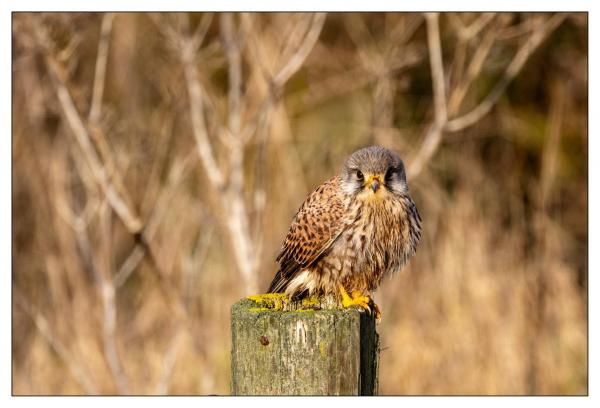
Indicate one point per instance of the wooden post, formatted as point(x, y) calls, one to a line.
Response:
point(297, 350)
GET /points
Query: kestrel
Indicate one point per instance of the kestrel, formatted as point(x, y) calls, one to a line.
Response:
point(352, 231)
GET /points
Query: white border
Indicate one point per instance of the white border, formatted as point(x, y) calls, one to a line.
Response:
point(303, 5)
point(7, 7)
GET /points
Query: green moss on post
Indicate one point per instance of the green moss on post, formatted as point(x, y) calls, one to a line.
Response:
point(296, 350)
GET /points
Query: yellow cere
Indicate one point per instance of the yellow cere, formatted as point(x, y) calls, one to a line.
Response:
point(368, 194)
point(372, 177)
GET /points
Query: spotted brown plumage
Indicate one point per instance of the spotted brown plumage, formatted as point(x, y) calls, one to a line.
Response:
point(318, 222)
point(351, 231)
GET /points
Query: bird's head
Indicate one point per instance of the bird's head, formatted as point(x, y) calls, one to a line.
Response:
point(374, 172)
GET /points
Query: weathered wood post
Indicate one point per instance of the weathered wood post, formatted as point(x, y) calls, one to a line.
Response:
point(287, 348)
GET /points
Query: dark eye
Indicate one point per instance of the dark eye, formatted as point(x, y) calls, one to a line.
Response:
point(359, 175)
point(390, 173)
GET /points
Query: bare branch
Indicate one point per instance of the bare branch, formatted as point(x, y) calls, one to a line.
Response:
point(467, 32)
point(551, 149)
point(235, 73)
point(77, 371)
point(293, 34)
point(437, 67)
point(131, 262)
point(255, 47)
point(100, 74)
point(238, 223)
point(289, 68)
point(201, 30)
point(434, 134)
point(473, 70)
point(100, 269)
point(109, 323)
point(166, 30)
point(515, 66)
point(200, 130)
point(176, 175)
point(349, 81)
point(296, 61)
point(79, 130)
point(168, 362)
point(106, 287)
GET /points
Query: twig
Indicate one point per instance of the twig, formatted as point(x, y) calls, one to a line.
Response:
point(100, 72)
point(434, 134)
point(467, 32)
point(166, 30)
point(100, 270)
point(404, 30)
point(515, 66)
point(260, 195)
point(237, 222)
point(197, 259)
point(200, 130)
point(296, 61)
point(288, 69)
point(473, 70)
point(255, 48)
point(177, 173)
point(382, 115)
point(168, 362)
point(164, 139)
point(96, 134)
point(236, 219)
point(201, 30)
point(231, 184)
point(106, 287)
point(43, 327)
point(79, 130)
point(129, 218)
point(107, 291)
point(232, 51)
point(437, 67)
point(348, 82)
point(552, 144)
point(293, 34)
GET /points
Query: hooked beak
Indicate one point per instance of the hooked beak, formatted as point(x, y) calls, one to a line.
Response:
point(375, 185)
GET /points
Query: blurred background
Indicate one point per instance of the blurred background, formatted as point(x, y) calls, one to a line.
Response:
point(158, 160)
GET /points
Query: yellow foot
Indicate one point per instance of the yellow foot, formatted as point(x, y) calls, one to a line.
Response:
point(357, 299)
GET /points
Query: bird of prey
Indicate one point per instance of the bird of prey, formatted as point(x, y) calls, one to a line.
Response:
point(351, 231)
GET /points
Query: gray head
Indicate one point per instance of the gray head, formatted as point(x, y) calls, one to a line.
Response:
point(374, 170)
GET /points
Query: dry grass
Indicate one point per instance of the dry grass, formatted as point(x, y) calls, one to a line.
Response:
point(158, 160)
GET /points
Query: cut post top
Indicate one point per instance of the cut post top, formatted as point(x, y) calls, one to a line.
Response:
point(306, 347)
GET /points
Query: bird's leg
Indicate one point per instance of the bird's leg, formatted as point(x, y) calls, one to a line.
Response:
point(357, 299)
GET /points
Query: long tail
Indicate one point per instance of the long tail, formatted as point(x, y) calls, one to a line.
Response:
point(278, 284)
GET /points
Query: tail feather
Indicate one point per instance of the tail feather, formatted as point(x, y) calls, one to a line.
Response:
point(281, 284)
point(288, 269)
point(278, 284)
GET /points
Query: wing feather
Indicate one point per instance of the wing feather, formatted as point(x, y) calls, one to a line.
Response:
point(316, 225)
